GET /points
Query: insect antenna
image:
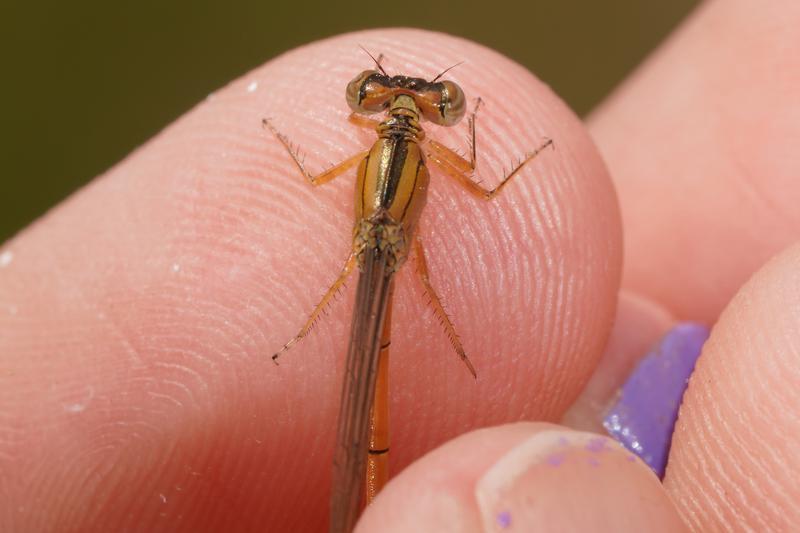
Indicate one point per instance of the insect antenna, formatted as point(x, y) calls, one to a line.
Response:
point(377, 61)
point(445, 71)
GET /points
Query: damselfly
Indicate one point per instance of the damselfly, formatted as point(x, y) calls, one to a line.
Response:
point(391, 190)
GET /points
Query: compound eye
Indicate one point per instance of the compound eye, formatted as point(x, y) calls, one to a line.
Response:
point(442, 103)
point(369, 92)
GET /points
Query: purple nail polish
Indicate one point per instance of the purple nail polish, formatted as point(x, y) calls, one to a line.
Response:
point(643, 417)
point(504, 520)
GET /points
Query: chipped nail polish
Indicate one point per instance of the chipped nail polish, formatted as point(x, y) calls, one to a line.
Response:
point(643, 417)
point(506, 493)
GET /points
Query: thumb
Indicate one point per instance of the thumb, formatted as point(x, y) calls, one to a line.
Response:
point(524, 477)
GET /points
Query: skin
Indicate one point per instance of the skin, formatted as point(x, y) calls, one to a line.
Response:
point(136, 390)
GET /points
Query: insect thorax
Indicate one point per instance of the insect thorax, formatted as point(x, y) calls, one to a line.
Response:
point(383, 233)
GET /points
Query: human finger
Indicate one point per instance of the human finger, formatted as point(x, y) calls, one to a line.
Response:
point(137, 386)
point(524, 477)
point(733, 463)
point(701, 142)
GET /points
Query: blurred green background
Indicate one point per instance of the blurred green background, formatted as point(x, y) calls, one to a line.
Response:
point(86, 82)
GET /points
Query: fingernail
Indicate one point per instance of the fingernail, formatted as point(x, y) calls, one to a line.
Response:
point(523, 491)
point(643, 417)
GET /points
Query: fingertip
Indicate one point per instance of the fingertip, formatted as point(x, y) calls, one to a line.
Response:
point(734, 462)
point(521, 274)
point(167, 282)
point(524, 477)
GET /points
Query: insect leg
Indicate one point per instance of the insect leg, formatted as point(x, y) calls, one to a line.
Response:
point(461, 169)
point(362, 121)
point(321, 306)
point(449, 156)
point(438, 308)
point(324, 176)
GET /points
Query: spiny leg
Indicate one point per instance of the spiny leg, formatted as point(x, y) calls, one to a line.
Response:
point(473, 155)
point(438, 308)
point(467, 182)
point(321, 306)
point(324, 176)
point(454, 158)
point(461, 169)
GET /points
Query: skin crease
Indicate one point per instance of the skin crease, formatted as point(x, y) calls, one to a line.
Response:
point(223, 461)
